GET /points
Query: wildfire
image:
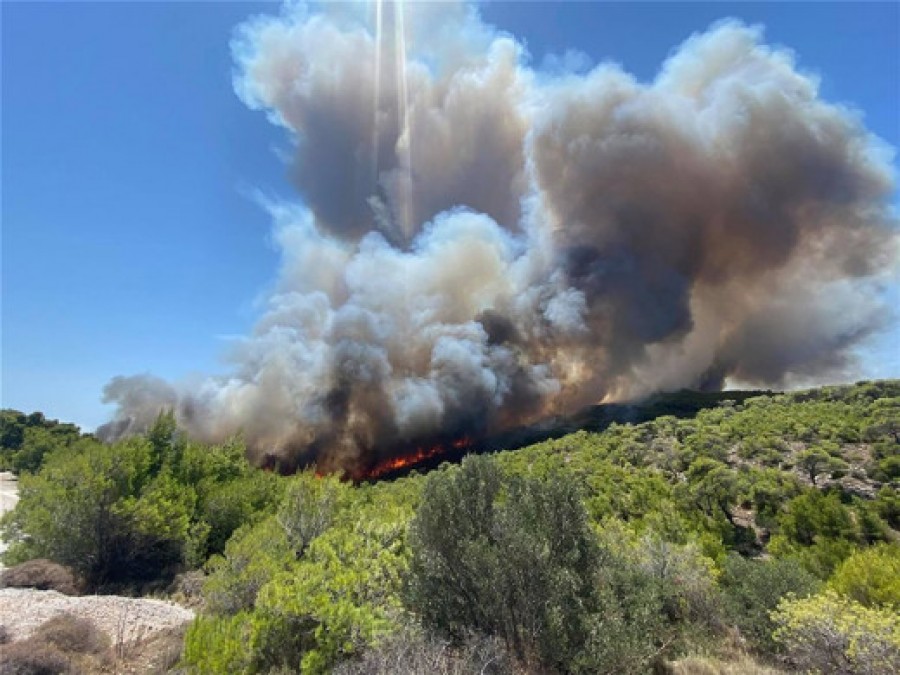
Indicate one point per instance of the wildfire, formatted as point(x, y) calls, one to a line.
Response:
point(419, 455)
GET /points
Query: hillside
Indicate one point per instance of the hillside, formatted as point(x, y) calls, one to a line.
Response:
point(620, 547)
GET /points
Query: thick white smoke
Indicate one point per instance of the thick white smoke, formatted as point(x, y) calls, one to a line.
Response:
point(478, 246)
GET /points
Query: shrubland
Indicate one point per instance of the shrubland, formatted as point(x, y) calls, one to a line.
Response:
point(760, 529)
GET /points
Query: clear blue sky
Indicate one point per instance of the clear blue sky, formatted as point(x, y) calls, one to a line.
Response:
point(129, 241)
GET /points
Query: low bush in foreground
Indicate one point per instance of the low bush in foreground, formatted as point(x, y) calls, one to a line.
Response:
point(412, 652)
point(831, 634)
point(61, 645)
point(73, 635)
point(33, 658)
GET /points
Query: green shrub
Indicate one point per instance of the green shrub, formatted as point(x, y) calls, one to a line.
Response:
point(338, 600)
point(214, 645)
point(752, 589)
point(310, 505)
point(253, 556)
point(520, 567)
point(830, 634)
point(871, 577)
point(515, 558)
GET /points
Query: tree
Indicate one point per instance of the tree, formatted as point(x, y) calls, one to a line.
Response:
point(816, 461)
point(166, 443)
point(225, 506)
point(37, 444)
point(12, 432)
point(714, 487)
point(71, 511)
point(814, 515)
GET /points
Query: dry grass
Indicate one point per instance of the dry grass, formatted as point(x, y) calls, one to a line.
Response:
point(699, 665)
point(414, 654)
point(155, 655)
point(44, 575)
point(72, 635)
point(30, 657)
point(64, 644)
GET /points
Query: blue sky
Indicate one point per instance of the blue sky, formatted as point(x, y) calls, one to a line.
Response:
point(130, 242)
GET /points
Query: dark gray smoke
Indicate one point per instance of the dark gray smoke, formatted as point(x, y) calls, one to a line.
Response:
point(479, 246)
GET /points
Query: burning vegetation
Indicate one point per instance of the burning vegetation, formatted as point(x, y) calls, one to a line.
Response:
point(481, 245)
point(409, 460)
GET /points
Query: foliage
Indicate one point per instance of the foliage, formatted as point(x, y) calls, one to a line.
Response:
point(309, 508)
point(818, 530)
point(252, 557)
point(871, 577)
point(225, 505)
point(829, 633)
point(752, 589)
point(30, 657)
point(515, 557)
point(74, 510)
point(217, 644)
point(26, 440)
point(592, 552)
point(63, 644)
point(137, 511)
point(518, 565)
point(816, 461)
point(72, 634)
point(305, 606)
point(337, 600)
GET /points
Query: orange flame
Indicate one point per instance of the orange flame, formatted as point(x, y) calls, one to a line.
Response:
point(419, 455)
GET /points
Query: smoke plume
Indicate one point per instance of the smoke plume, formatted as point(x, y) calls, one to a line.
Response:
point(480, 244)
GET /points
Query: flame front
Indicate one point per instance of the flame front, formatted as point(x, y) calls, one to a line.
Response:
point(418, 456)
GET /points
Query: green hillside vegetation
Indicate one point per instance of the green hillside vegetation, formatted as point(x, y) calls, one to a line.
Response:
point(763, 528)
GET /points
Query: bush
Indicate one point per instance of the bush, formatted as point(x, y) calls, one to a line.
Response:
point(413, 653)
point(310, 506)
point(253, 556)
point(515, 558)
point(217, 644)
point(521, 568)
point(32, 658)
point(70, 511)
point(227, 506)
point(187, 588)
point(685, 580)
point(813, 516)
point(338, 600)
point(871, 576)
point(819, 531)
point(42, 574)
point(752, 589)
point(831, 634)
point(72, 635)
